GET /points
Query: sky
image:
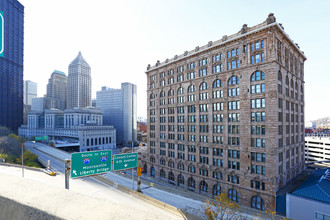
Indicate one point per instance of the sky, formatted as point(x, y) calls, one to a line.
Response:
point(120, 38)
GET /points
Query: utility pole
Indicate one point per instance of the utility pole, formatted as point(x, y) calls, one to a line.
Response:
point(132, 170)
point(67, 173)
point(138, 174)
point(22, 160)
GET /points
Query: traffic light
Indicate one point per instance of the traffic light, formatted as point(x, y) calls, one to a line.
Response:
point(139, 171)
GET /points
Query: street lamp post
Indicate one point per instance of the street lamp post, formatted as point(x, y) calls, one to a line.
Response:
point(132, 169)
point(22, 160)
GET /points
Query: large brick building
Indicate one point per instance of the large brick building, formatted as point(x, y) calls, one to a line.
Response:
point(229, 116)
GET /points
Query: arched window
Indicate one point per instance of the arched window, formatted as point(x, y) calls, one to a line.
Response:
point(258, 75)
point(191, 89)
point(180, 166)
point(162, 82)
point(162, 162)
point(203, 95)
point(171, 92)
point(203, 186)
point(180, 179)
point(217, 83)
point(171, 164)
point(258, 203)
point(233, 81)
point(279, 76)
point(287, 80)
point(152, 171)
point(170, 176)
point(203, 86)
point(162, 94)
point(216, 190)
point(152, 159)
point(191, 182)
point(162, 173)
point(233, 195)
point(152, 96)
point(180, 91)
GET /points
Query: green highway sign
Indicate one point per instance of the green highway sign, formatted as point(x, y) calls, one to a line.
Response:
point(2, 33)
point(90, 163)
point(43, 138)
point(124, 161)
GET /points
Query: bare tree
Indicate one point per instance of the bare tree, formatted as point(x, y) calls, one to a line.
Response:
point(223, 208)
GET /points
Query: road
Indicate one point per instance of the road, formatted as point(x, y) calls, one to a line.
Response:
point(57, 158)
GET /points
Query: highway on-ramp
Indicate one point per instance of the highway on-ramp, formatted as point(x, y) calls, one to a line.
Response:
point(57, 158)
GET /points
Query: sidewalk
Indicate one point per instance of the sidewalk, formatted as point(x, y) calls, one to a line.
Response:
point(162, 185)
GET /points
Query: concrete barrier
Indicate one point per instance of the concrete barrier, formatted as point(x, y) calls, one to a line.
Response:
point(12, 210)
point(20, 166)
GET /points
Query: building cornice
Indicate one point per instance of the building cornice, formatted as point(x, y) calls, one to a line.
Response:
point(221, 42)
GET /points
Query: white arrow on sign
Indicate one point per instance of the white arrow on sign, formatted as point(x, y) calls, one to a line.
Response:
point(125, 165)
point(75, 172)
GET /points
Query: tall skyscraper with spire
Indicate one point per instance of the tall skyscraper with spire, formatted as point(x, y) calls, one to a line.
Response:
point(79, 87)
point(57, 90)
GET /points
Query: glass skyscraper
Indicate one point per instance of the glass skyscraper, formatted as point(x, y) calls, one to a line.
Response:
point(11, 65)
point(119, 109)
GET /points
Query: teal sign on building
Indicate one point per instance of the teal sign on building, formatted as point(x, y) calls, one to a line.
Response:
point(2, 25)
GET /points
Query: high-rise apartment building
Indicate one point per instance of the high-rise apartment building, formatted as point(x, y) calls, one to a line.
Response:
point(11, 63)
point(57, 90)
point(228, 117)
point(79, 86)
point(119, 109)
point(30, 91)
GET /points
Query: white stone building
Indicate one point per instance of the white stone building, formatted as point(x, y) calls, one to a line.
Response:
point(82, 124)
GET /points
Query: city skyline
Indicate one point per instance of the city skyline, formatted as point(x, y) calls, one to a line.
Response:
point(153, 25)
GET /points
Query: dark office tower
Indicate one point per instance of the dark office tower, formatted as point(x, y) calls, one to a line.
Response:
point(11, 63)
point(56, 90)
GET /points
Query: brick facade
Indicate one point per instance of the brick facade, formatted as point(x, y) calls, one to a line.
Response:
point(249, 149)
